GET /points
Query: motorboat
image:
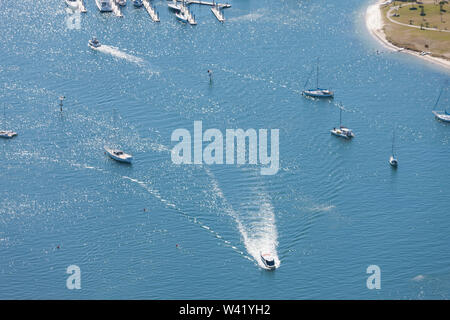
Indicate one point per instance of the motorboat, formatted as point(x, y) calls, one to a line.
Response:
point(342, 131)
point(104, 5)
point(138, 3)
point(317, 92)
point(7, 134)
point(94, 43)
point(73, 4)
point(174, 5)
point(268, 260)
point(121, 3)
point(119, 155)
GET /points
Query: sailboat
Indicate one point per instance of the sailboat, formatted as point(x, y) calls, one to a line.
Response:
point(342, 131)
point(441, 115)
point(393, 161)
point(318, 92)
point(8, 134)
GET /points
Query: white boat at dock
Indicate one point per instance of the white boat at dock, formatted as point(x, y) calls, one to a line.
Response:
point(121, 3)
point(7, 134)
point(119, 155)
point(173, 5)
point(104, 5)
point(138, 3)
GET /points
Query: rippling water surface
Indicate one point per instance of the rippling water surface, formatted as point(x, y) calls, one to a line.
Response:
point(158, 230)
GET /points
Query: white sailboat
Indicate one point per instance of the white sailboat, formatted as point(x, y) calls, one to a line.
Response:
point(441, 115)
point(342, 131)
point(104, 5)
point(317, 92)
point(173, 5)
point(7, 134)
point(393, 161)
point(73, 4)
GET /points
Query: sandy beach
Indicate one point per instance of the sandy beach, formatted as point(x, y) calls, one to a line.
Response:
point(375, 23)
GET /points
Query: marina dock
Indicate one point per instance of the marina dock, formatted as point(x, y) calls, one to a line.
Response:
point(218, 13)
point(151, 11)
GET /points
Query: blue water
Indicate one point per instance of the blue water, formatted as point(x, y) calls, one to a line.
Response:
point(334, 208)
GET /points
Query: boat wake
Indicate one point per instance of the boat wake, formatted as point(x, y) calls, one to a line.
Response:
point(116, 52)
point(256, 224)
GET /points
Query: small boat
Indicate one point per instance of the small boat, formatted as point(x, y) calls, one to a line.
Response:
point(181, 16)
point(318, 92)
point(104, 5)
point(174, 6)
point(138, 3)
point(268, 260)
point(392, 159)
point(73, 4)
point(94, 43)
point(119, 155)
point(121, 3)
point(441, 115)
point(342, 131)
point(7, 134)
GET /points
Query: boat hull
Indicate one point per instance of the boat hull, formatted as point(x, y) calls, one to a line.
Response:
point(7, 134)
point(393, 162)
point(181, 18)
point(442, 116)
point(128, 159)
point(318, 93)
point(72, 4)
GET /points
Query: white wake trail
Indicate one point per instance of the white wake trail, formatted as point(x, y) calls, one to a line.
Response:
point(116, 52)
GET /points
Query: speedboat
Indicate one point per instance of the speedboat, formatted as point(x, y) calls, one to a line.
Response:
point(137, 3)
point(343, 132)
point(393, 161)
point(121, 2)
point(73, 4)
point(442, 115)
point(104, 5)
point(174, 6)
point(318, 93)
point(119, 155)
point(94, 43)
point(7, 134)
point(268, 260)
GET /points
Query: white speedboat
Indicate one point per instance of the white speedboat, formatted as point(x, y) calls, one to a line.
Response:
point(174, 5)
point(73, 4)
point(119, 155)
point(7, 134)
point(342, 131)
point(94, 43)
point(138, 3)
point(104, 5)
point(268, 260)
point(121, 3)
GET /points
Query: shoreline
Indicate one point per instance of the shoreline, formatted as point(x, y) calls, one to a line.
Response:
point(375, 24)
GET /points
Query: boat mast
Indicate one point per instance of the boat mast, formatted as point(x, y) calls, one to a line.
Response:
point(317, 73)
point(340, 116)
point(439, 97)
point(393, 139)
